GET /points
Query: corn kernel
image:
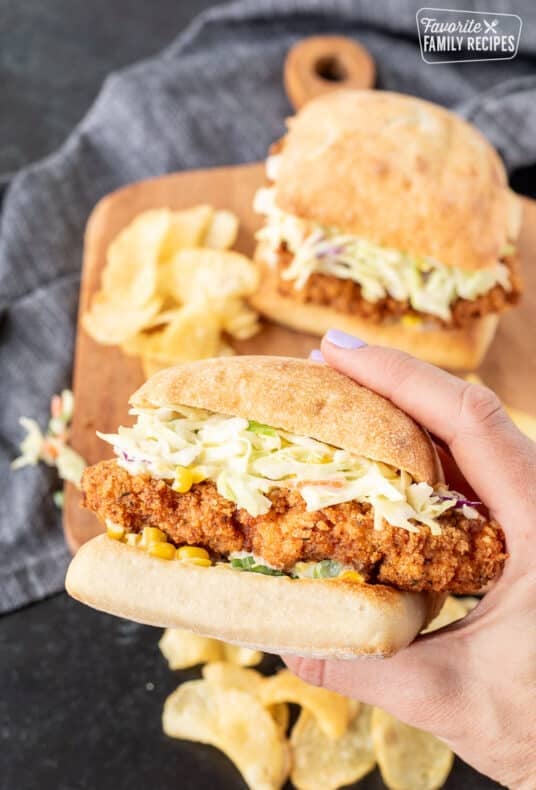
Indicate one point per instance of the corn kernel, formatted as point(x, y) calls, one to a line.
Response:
point(183, 480)
point(133, 538)
point(198, 475)
point(152, 535)
point(165, 551)
point(189, 552)
point(203, 562)
point(411, 320)
point(351, 576)
point(114, 531)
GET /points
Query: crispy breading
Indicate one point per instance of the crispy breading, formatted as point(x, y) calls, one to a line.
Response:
point(466, 555)
point(346, 296)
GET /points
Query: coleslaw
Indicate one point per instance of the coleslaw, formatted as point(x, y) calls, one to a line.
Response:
point(246, 460)
point(428, 285)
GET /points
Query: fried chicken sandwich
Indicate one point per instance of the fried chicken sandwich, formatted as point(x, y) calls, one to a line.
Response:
point(390, 218)
point(274, 503)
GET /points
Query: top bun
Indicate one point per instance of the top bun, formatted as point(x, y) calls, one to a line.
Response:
point(400, 172)
point(302, 397)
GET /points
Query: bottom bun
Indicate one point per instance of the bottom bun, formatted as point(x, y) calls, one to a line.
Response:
point(277, 614)
point(450, 348)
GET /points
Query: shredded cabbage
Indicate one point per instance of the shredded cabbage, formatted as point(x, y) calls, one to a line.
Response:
point(427, 284)
point(51, 446)
point(247, 460)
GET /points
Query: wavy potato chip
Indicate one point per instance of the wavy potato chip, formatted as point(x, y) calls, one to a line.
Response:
point(222, 231)
point(110, 326)
point(186, 229)
point(183, 649)
point(409, 759)
point(280, 714)
point(203, 275)
point(234, 722)
point(165, 297)
point(151, 366)
point(452, 610)
point(331, 710)
point(130, 275)
point(239, 320)
point(243, 656)
point(468, 602)
point(322, 763)
point(192, 333)
point(227, 675)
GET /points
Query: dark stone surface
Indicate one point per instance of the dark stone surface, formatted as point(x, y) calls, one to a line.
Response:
point(80, 706)
point(55, 54)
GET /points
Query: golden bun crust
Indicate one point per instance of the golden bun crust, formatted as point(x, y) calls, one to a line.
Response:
point(321, 619)
point(398, 171)
point(462, 349)
point(301, 397)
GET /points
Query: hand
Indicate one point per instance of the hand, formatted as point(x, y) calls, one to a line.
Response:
point(472, 684)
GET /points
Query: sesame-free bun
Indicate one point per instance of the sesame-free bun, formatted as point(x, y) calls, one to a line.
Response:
point(302, 397)
point(307, 617)
point(462, 349)
point(400, 172)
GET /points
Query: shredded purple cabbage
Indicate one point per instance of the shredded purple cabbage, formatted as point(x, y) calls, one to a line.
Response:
point(336, 249)
point(460, 502)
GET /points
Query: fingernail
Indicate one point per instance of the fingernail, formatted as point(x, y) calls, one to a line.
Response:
point(343, 340)
point(316, 355)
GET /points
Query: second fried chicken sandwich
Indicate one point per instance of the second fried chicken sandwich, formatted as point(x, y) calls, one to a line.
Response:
point(391, 218)
point(274, 503)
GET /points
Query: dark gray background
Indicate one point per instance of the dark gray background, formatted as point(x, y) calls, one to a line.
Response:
point(84, 712)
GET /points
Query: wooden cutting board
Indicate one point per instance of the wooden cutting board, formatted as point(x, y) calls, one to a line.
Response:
point(104, 378)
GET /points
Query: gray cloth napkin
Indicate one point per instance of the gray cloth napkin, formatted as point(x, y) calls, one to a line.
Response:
point(213, 97)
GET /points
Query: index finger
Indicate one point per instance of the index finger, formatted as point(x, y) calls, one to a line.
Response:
point(497, 460)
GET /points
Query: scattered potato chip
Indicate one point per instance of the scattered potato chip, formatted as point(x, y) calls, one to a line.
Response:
point(473, 378)
point(468, 602)
point(110, 326)
point(452, 610)
point(331, 710)
point(234, 722)
point(162, 318)
point(243, 656)
point(238, 320)
point(222, 231)
point(191, 334)
point(201, 275)
point(130, 275)
point(322, 763)
point(227, 675)
point(409, 759)
point(184, 649)
point(151, 366)
point(280, 714)
point(186, 229)
point(170, 287)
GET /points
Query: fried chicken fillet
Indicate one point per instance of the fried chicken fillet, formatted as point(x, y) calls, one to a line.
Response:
point(464, 558)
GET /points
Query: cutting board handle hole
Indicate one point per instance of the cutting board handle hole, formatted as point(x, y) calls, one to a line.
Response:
point(330, 68)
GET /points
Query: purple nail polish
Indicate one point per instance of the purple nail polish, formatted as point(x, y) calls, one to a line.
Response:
point(343, 340)
point(316, 355)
